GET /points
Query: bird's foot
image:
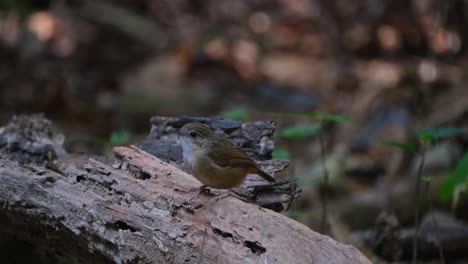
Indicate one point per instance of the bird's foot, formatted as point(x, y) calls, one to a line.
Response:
point(195, 193)
point(222, 195)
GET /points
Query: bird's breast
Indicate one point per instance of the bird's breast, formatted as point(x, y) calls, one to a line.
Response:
point(188, 152)
point(207, 171)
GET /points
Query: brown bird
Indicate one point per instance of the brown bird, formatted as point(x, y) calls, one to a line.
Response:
point(215, 161)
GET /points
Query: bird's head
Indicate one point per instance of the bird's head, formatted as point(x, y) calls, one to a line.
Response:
point(194, 136)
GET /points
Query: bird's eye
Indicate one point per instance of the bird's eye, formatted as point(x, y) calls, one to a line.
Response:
point(193, 134)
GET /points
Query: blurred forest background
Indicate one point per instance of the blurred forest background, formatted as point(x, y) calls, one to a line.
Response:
point(385, 69)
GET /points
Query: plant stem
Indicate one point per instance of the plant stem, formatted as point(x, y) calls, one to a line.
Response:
point(323, 222)
point(416, 211)
point(434, 223)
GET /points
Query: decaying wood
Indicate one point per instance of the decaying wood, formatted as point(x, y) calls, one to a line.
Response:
point(136, 210)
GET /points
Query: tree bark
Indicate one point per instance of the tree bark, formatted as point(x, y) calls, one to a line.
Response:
point(136, 210)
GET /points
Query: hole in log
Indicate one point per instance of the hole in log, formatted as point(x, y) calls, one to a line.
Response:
point(124, 226)
point(144, 175)
point(139, 173)
point(255, 247)
point(221, 232)
point(80, 178)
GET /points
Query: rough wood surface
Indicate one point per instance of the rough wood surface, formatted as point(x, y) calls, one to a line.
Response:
point(136, 210)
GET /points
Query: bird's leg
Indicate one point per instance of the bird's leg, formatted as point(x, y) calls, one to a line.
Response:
point(222, 195)
point(194, 195)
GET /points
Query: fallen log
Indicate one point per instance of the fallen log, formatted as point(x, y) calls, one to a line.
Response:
point(134, 210)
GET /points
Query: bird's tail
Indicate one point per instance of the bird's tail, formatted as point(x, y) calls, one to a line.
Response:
point(264, 175)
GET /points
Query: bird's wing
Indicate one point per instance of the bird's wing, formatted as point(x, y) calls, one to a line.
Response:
point(237, 158)
point(228, 154)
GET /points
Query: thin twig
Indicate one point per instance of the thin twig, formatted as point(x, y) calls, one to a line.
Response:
point(202, 248)
point(323, 222)
point(416, 211)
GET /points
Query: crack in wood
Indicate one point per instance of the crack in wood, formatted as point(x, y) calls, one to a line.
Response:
point(122, 225)
point(222, 233)
point(255, 246)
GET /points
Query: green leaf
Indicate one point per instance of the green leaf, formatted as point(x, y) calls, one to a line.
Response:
point(456, 178)
point(119, 138)
point(406, 146)
point(280, 153)
point(239, 113)
point(426, 178)
point(328, 117)
point(448, 188)
point(300, 131)
point(434, 134)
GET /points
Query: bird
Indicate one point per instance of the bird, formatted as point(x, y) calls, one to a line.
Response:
point(214, 160)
